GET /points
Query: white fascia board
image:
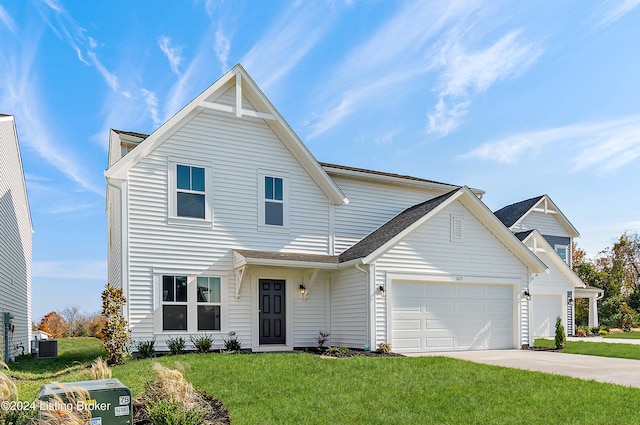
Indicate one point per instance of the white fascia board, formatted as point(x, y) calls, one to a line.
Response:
point(393, 241)
point(564, 221)
point(555, 258)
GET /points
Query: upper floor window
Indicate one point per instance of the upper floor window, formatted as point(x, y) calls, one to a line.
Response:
point(189, 192)
point(563, 252)
point(273, 208)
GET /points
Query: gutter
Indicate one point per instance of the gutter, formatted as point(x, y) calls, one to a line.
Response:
point(368, 309)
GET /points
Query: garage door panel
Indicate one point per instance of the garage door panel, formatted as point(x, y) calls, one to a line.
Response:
point(453, 316)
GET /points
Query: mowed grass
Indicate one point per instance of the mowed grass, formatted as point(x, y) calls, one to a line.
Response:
point(603, 349)
point(308, 389)
point(624, 335)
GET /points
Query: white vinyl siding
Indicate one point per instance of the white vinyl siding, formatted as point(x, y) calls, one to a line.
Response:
point(236, 150)
point(429, 251)
point(545, 309)
point(370, 206)
point(114, 237)
point(15, 241)
point(547, 224)
point(349, 308)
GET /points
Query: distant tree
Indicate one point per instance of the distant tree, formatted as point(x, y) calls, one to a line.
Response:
point(94, 325)
point(76, 321)
point(54, 324)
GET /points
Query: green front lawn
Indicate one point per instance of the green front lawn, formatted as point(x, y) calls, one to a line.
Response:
point(307, 389)
point(603, 349)
point(624, 335)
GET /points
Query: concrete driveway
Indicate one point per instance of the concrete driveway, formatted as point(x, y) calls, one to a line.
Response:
point(603, 369)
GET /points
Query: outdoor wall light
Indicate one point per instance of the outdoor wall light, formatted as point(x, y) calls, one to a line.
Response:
point(526, 295)
point(381, 289)
point(302, 290)
point(570, 301)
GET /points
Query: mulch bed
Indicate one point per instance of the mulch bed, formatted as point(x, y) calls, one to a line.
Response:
point(556, 350)
point(217, 414)
point(350, 353)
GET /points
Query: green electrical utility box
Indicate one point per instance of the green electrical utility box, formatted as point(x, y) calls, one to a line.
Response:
point(110, 401)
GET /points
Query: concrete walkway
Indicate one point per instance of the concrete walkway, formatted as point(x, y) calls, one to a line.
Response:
point(601, 339)
point(602, 369)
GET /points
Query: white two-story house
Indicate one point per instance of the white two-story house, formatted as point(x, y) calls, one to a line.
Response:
point(221, 221)
point(15, 246)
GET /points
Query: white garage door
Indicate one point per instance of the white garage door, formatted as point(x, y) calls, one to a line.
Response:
point(544, 310)
point(428, 316)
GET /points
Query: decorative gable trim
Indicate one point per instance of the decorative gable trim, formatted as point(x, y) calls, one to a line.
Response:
point(245, 86)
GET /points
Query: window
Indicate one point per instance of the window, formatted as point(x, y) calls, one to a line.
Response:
point(272, 200)
point(174, 303)
point(208, 303)
point(563, 252)
point(190, 193)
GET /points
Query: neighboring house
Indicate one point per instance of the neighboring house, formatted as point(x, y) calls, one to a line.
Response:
point(221, 221)
point(15, 245)
point(547, 232)
point(40, 334)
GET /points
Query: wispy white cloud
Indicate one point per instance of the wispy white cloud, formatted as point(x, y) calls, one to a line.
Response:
point(289, 39)
point(602, 147)
point(466, 73)
point(398, 52)
point(151, 100)
point(109, 78)
point(173, 53)
point(7, 20)
point(609, 11)
point(222, 47)
point(70, 269)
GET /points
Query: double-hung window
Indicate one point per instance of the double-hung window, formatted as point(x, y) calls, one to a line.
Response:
point(209, 303)
point(563, 252)
point(190, 192)
point(174, 303)
point(273, 202)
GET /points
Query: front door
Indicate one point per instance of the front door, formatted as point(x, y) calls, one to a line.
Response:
point(272, 308)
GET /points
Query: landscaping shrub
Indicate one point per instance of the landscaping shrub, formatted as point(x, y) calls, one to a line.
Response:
point(100, 369)
point(594, 330)
point(384, 348)
point(176, 345)
point(560, 336)
point(232, 344)
point(147, 348)
point(322, 338)
point(116, 335)
point(202, 343)
point(581, 333)
point(162, 412)
point(338, 351)
point(603, 332)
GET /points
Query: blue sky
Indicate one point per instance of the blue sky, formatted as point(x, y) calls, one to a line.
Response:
point(516, 98)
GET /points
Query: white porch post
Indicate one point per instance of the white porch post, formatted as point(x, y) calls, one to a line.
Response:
point(593, 312)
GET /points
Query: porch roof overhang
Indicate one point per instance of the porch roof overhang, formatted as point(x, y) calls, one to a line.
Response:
point(309, 263)
point(588, 292)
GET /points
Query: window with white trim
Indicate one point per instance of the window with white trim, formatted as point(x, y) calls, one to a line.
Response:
point(563, 252)
point(174, 303)
point(209, 303)
point(189, 192)
point(273, 201)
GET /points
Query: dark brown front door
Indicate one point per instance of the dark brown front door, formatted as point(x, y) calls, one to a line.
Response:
point(272, 308)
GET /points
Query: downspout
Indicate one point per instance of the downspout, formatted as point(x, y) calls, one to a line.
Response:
point(368, 327)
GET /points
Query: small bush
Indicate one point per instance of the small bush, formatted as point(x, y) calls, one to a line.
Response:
point(581, 333)
point(594, 330)
point(603, 332)
point(117, 340)
point(202, 343)
point(147, 349)
point(560, 336)
point(338, 351)
point(176, 345)
point(322, 338)
point(162, 412)
point(100, 369)
point(232, 344)
point(384, 348)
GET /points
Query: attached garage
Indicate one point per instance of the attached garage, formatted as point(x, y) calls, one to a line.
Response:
point(544, 310)
point(442, 316)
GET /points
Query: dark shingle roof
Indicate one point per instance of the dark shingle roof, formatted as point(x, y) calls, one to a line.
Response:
point(288, 256)
point(382, 173)
point(512, 213)
point(392, 228)
point(523, 235)
point(131, 133)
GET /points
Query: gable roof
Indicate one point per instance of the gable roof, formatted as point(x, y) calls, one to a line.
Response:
point(540, 244)
point(245, 87)
point(514, 213)
point(392, 228)
point(390, 233)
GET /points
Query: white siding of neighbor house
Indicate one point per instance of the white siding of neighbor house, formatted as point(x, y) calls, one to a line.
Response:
point(349, 308)
point(15, 242)
point(236, 149)
point(429, 251)
point(547, 224)
point(371, 204)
